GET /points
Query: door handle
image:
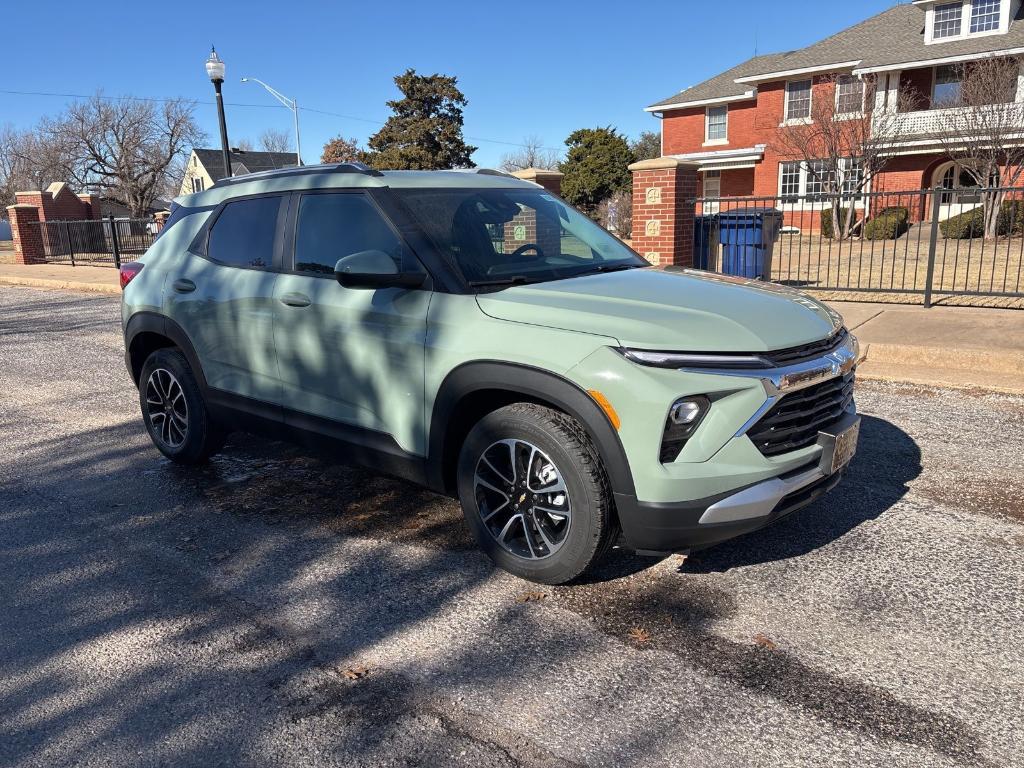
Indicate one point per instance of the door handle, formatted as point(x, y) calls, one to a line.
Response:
point(296, 299)
point(184, 286)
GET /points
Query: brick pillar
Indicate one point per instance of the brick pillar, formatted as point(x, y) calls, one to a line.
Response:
point(550, 180)
point(28, 240)
point(662, 213)
point(546, 233)
point(161, 218)
point(92, 206)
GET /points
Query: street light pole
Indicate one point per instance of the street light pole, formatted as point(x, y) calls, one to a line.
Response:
point(292, 104)
point(215, 71)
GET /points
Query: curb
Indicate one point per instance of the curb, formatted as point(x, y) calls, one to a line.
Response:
point(59, 285)
point(958, 368)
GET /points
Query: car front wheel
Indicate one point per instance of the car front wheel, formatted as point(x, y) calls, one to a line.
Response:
point(535, 493)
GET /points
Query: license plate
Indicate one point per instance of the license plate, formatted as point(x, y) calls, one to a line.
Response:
point(845, 447)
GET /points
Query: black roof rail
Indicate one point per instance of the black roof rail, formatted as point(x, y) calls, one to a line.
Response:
point(298, 170)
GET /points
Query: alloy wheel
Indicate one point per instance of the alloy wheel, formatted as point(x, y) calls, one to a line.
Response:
point(522, 499)
point(168, 411)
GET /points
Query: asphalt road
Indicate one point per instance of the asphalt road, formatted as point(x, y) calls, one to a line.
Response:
point(273, 610)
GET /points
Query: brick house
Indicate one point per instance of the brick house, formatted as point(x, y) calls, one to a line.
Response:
point(728, 125)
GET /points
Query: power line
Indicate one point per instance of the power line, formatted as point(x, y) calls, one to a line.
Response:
point(165, 100)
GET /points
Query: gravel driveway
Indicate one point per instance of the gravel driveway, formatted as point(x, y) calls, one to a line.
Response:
point(270, 609)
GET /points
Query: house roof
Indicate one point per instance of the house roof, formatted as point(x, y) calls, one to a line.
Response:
point(891, 38)
point(243, 161)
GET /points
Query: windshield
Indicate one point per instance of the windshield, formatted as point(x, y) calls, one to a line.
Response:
point(505, 236)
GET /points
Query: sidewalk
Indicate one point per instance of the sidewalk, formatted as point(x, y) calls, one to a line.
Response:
point(96, 279)
point(964, 347)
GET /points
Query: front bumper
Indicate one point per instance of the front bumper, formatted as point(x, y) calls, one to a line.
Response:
point(686, 526)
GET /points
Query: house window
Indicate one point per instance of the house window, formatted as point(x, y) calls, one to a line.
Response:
point(985, 15)
point(947, 86)
point(849, 95)
point(798, 99)
point(790, 174)
point(815, 179)
point(851, 170)
point(948, 20)
point(717, 124)
point(197, 184)
point(817, 174)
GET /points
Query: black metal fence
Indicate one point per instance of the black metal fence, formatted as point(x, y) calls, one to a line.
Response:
point(94, 241)
point(930, 242)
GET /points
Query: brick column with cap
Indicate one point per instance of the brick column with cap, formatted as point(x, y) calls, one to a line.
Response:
point(28, 237)
point(525, 228)
point(663, 211)
point(550, 180)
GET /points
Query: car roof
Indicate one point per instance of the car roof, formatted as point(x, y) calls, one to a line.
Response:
point(348, 176)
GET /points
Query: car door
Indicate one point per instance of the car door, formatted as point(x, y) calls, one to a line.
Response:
point(349, 356)
point(222, 295)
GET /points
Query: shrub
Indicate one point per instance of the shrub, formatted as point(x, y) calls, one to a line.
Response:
point(972, 223)
point(889, 224)
point(826, 221)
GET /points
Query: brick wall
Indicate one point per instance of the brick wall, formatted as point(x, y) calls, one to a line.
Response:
point(28, 242)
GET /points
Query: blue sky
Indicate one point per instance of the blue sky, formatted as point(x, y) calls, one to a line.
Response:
point(527, 68)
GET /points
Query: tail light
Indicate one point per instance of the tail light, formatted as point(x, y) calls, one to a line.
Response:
point(129, 271)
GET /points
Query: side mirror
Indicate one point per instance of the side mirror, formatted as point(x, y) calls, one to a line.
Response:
point(374, 269)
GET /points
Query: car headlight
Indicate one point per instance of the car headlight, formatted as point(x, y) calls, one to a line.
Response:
point(684, 416)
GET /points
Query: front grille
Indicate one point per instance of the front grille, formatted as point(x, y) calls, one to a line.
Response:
point(794, 421)
point(804, 352)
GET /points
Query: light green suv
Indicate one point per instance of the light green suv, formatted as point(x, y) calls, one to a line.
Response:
point(474, 333)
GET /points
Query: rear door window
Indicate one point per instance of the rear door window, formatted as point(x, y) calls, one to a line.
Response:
point(244, 233)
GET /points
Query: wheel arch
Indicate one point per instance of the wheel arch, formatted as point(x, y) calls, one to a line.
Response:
point(147, 332)
point(472, 390)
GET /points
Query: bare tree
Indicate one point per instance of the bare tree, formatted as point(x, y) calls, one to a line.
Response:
point(844, 143)
point(122, 148)
point(26, 163)
point(245, 145)
point(276, 140)
point(532, 154)
point(982, 129)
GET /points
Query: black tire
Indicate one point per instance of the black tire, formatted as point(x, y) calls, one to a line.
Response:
point(591, 526)
point(168, 370)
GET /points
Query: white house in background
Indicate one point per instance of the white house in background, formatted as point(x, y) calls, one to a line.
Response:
point(205, 166)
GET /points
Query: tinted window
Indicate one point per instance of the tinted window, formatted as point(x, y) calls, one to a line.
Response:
point(333, 226)
point(243, 235)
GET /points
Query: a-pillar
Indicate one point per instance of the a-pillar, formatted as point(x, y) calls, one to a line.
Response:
point(664, 190)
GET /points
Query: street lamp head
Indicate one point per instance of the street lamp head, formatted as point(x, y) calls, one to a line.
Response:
point(215, 67)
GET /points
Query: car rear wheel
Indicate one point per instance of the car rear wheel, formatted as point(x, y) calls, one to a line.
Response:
point(535, 493)
point(173, 409)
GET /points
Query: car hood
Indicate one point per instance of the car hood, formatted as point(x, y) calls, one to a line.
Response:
point(670, 309)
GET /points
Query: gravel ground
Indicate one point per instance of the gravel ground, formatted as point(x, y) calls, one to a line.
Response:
point(271, 609)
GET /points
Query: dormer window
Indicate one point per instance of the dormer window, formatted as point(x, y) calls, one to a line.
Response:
point(964, 18)
point(948, 20)
point(985, 15)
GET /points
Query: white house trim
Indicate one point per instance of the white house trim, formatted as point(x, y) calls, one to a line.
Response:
point(793, 73)
point(941, 60)
point(725, 159)
point(746, 96)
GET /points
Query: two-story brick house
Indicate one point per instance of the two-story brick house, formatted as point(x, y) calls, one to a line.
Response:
point(729, 124)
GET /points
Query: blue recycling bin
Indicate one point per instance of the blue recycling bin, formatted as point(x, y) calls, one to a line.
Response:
point(748, 238)
point(705, 241)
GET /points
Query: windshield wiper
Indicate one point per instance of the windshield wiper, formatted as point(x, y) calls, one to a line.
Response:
point(607, 268)
point(513, 280)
